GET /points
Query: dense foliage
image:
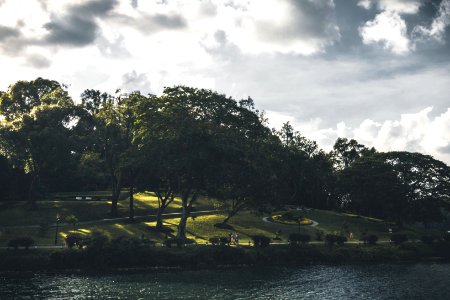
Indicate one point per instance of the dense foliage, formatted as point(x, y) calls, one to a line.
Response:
point(192, 142)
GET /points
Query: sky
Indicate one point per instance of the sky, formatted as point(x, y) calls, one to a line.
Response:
point(374, 70)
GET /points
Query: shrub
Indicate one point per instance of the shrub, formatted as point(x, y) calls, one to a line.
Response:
point(427, 239)
point(223, 240)
point(398, 238)
point(219, 240)
point(126, 242)
point(331, 239)
point(97, 240)
point(214, 240)
point(295, 238)
point(178, 242)
point(340, 239)
point(319, 235)
point(74, 240)
point(370, 239)
point(25, 242)
point(261, 241)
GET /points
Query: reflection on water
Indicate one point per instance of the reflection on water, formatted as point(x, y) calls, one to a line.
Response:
point(420, 281)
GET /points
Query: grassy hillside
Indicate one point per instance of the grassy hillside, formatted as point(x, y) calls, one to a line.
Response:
point(199, 228)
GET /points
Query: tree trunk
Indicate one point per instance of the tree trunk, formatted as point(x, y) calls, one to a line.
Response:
point(181, 234)
point(187, 207)
point(163, 203)
point(234, 210)
point(116, 187)
point(159, 221)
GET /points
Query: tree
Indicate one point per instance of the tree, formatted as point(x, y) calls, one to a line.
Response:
point(115, 120)
point(305, 171)
point(196, 132)
point(347, 152)
point(371, 187)
point(36, 132)
point(427, 181)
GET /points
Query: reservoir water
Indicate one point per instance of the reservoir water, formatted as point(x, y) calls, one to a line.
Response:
point(399, 281)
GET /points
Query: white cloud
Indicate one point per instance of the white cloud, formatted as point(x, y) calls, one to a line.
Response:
point(400, 6)
point(438, 25)
point(415, 132)
point(389, 29)
point(366, 4)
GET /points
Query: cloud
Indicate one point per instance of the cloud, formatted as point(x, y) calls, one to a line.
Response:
point(38, 61)
point(133, 81)
point(367, 4)
point(78, 27)
point(286, 26)
point(398, 6)
point(8, 32)
point(11, 40)
point(152, 23)
point(389, 29)
point(438, 26)
point(415, 132)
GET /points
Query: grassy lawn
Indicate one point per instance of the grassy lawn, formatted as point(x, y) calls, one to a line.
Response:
point(145, 204)
point(200, 228)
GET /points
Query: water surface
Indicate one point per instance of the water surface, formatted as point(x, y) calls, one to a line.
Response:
point(418, 281)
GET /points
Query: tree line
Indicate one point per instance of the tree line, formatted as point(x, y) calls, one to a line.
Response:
point(190, 142)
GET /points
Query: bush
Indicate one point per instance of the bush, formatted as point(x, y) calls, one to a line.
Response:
point(370, 239)
point(319, 235)
point(25, 242)
point(223, 240)
point(219, 240)
point(178, 242)
point(261, 241)
point(126, 242)
point(74, 240)
point(97, 240)
point(331, 239)
point(427, 239)
point(398, 238)
point(214, 240)
point(295, 238)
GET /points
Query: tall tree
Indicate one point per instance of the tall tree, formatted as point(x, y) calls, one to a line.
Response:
point(38, 115)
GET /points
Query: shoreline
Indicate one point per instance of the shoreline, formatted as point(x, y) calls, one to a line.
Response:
point(215, 257)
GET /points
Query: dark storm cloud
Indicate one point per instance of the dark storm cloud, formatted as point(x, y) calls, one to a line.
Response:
point(309, 20)
point(78, 27)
